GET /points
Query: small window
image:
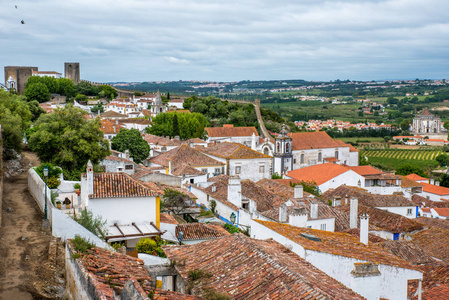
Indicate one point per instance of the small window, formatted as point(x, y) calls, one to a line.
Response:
point(302, 158)
point(204, 171)
point(245, 205)
point(217, 171)
point(409, 211)
point(336, 154)
point(238, 169)
point(261, 169)
point(320, 156)
point(428, 197)
point(192, 180)
point(323, 227)
point(129, 167)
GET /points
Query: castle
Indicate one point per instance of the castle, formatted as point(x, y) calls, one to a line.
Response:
point(17, 76)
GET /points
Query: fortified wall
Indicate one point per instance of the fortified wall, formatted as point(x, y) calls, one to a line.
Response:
point(20, 76)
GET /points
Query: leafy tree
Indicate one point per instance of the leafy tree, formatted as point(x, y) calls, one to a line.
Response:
point(35, 110)
point(108, 91)
point(86, 88)
point(65, 138)
point(130, 139)
point(443, 160)
point(175, 201)
point(94, 224)
point(276, 176)
point(97, 108)
point(37, 91)
point(15, 118)
point(81, 98)
point(65, 87)
point(444, 180)
point(175, 125)
point(151, 246)
point(362, 160)
point(405, 124)
point(190, 125)
point(409, 169)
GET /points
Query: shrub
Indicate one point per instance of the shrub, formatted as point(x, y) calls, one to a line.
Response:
point(53, 171)
point(231, 229)
point(151, 246)
point(211, 294)
point(81, 244)
point(96, 224)
point(276, 176)
point(213, 206)
point(53, 182)
point(77, 186)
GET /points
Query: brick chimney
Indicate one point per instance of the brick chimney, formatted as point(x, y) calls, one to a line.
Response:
point(366, 280)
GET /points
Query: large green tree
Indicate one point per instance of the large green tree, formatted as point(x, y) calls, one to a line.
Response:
point(37, 91)
point(130, 139)
point(15, 118)
point(67, 139)
point(185, 125)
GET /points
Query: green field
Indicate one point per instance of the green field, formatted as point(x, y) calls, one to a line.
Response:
point(394, 158)
point(363, 140)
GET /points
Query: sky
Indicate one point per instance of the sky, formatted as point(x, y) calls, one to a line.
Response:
point(232, 40)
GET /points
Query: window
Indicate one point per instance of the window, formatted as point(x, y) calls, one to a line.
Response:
point(192, 180)
point(129, 167)
point(238, 169)
point(302, 158)
point(261, 169)
point(204, 171)
point(265, 151)
point(409, 211)
point(320, 156)
point(323, 226)
point(245, 205)
point(336, 154)
point(217, 171)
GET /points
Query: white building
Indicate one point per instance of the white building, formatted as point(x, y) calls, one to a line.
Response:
point(426, 123)
point(229, 133)
point(48, 74)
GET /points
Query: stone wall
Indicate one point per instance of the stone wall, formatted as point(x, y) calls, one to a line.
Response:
point(20, 76)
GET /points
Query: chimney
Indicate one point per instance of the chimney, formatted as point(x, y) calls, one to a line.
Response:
point(354, 206)
point(336, 201)
point(253, 141)
point(235, 191)
point(314, 210)
point(283, 213)
point(299, 191)
point(364, 221)
point(127, 154)
point(214, 188)
point(169, 167)
point(90, 178)
point(359, 184)
point(346, 199)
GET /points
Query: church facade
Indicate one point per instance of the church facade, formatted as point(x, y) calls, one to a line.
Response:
point(426, 123)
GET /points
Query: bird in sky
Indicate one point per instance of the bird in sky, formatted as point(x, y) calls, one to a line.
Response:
point(23, 22)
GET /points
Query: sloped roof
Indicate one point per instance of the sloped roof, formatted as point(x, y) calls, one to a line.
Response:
point(407, 182)
point(314, 140)
point(337, 243)
point(278, 188)
point(246, 268)
point(433, 222)
point(231, 131)
point(112, 114)
point(385, 220)
point(422, 201)
point(200, 231)
point(184, 155)
point(416, 177)
point(367, 199)
point(110, 127)
point(161, 141)
point(169, 219)
point(185, 169)
point(407, 251)
point(444, 212)
point(434, 242)
point(319, 174)
point(233, 151)
point(435, 189)
point(121, 185)
point(140, 121)
point(366, 170)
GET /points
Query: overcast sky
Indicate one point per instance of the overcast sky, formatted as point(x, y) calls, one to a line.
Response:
point(152, 40)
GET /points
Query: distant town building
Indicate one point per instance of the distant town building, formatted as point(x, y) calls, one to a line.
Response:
point(426, 123)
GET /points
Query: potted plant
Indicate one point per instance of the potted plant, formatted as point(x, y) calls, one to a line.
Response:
point(77, 187)
point(67, 203)
point(58, 204)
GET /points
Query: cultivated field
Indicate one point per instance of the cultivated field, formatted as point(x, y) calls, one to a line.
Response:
point(395, 158)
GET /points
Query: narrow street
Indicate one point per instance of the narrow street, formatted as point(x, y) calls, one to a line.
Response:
point(25, 269)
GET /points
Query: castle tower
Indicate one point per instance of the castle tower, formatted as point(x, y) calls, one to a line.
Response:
point(18, 76)
point(72, 71)
point(283, 155)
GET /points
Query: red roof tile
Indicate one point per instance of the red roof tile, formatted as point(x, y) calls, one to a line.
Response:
point(169, 219)
point(184, 155)
point(318, 173)
point(231, 131)
point(314, 140)
point(435, 189)
point(233, 151)
point(200, 231)
point(444, 212)
point(416, 177)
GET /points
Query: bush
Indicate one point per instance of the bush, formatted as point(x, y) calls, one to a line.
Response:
point(231, 229)
point(81, 244)
point(276, 176)
point(151, 246)
point(53, 182)
point(96, 224)
point(53, 171)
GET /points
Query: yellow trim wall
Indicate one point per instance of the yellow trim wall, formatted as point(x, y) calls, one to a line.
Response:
point(158, 212)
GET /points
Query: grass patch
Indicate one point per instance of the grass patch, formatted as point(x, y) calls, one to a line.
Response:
point(394, 164)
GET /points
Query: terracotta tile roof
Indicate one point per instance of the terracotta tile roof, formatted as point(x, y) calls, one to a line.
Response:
point(184, 155)
point(366, 198)
point(436, 292)
point(407, 182)
point(246, 268)
point(338, 243)
point(184, 169)
point(407, 251)
point(318, 173)
point(435, 189)
point(385, 220)
point(416, 177)
point(112, 114)
point(160, 141)
point(146, 112)
point(265, 199)
point(200, 231)
point(314, 140)
point(231, 131)
point(233, 151)
point(371, 237)
point(422, 201)
point(183, 111)
point(119, 185)
point(159, 294)
point(115, 158)
point(331, 159)
point(166, 218)
point(110, 271)
point(196, 141)
point(274, 186)
point(444, 212)
point(433, 222)
point(110, 126)
point(434, 242)
point(435, 282)
point(366, 170)
point(140, 121)
point(352, 148)
point(144, 171)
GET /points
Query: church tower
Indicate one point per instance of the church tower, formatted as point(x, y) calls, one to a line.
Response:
point(283, 155)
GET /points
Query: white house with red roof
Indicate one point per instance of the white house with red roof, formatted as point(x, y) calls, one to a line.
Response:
point(229, 133)
point(130, 207)
point(177, 102)
point(435, 192)
point(312, 148)
point(439, 213)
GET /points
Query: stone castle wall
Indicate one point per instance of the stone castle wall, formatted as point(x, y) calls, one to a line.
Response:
point(20, 76)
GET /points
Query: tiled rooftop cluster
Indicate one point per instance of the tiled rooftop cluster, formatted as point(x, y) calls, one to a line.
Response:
point(408, 251)
point(434, 241)
point(233, 151)
point(229, 131)
point(246, 268)
point(200, 231)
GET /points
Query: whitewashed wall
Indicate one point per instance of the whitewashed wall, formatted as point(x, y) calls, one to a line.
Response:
point(383, 190)
point(250, 168)
point(434, 197)
point(311, 156)
point(349, 178)
point(402, 210)
point(36, 186)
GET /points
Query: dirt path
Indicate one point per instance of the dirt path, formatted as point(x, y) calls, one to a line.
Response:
point(24, 248)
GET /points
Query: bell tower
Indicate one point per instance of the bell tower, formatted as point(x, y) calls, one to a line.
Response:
point(283, 155)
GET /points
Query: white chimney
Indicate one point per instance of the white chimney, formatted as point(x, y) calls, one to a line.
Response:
point(90, 178)
point(299, 191)
point(253, 141)
point(283, 213)
point(169, 167)
point(127, 154)
point(354, 206)
point(314, 210)
point(235, 191)
point(364, 221)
